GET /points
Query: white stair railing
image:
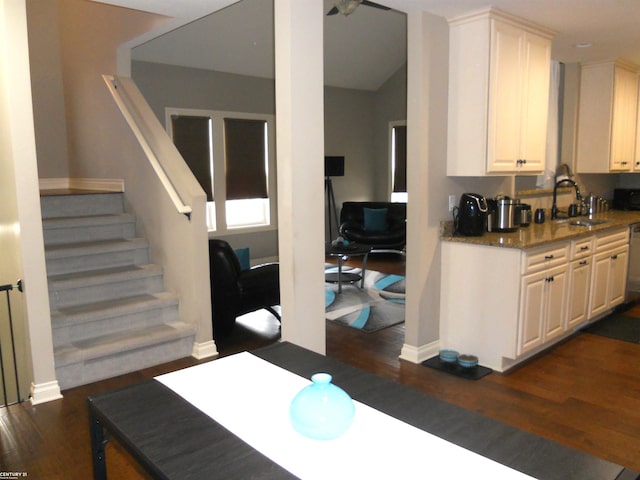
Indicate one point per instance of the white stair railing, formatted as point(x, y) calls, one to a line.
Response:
point(125, 100)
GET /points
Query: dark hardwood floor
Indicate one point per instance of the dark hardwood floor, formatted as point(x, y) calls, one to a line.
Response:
point(583, 393)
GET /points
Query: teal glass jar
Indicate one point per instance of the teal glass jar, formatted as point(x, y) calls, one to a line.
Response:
point(322, 410)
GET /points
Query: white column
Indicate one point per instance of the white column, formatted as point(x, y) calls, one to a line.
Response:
point(300, 150)
point(22, 213)
point(427, 76)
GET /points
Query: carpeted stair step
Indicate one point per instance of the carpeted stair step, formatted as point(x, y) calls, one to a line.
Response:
point(84, 321)
point(80, 257)
point(85, 361)
point(63, 230)
point(70, 290)
point(55, 206)
point(110, 312)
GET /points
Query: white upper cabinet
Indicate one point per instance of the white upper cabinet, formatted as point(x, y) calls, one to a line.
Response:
point(607, 117)
point(499, 69)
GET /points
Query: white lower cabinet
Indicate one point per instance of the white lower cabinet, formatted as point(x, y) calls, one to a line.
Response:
point(580, 267)
point(504, 304)
point(542, 307)
point(618, 270)
point(609, 280)
point(578, 292)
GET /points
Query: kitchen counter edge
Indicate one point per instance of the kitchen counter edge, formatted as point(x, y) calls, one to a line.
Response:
point(551, 231)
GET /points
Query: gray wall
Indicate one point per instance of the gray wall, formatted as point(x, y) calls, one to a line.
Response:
point(356, 125)
point(391, 105)
point(184, 87)
point(349, 132)
point(47, 89)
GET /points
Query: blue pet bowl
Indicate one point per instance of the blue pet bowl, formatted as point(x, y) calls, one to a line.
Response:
point(449, 356)
point(467, 361)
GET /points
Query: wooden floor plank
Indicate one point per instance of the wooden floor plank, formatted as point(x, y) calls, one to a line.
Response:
point(583, 393)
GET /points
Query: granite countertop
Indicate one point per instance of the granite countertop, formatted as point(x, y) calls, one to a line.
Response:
point(550, 231)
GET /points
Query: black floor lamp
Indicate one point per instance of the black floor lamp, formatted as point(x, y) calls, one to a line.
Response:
point(333, 167)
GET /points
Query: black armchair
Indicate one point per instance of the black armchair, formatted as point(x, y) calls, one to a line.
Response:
point(234, 291)
point(386, 233)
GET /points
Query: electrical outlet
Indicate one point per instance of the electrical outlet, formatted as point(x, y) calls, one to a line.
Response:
point(452, 202)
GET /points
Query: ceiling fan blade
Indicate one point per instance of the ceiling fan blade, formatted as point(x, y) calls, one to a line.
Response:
point(333, 11)
point(374, 5)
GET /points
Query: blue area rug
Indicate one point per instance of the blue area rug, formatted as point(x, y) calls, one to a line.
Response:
point(380, 304)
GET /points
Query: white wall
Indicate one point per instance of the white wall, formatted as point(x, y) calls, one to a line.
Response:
point(300, 146)
point(426, 153)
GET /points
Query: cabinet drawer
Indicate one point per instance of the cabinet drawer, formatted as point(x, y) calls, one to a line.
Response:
point(610, 240)
point(581, 248)
point(544, 257)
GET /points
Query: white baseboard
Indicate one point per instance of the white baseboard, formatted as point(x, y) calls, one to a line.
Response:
point(419, 354)
point(204, 350)
point(45, 392)
point(102, 184)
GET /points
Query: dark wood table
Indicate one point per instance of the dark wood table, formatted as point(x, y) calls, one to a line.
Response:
point(171, 439)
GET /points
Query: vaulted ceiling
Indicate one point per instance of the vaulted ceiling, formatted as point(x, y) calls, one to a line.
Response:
point(365, 48)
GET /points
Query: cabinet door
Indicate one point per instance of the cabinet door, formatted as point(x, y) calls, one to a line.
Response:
point(609, 283)
point(505, 97)
point(555, 313)
point(623, 127)
point(599, 284)
point(532, 309)
point(618, 265)
point(537, 61)
point(578, 299)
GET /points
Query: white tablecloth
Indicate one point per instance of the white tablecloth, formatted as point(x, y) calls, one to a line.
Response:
point(250, 397)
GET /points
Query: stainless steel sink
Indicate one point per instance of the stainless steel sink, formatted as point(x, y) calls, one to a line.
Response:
point(584, 222)
point(581, 222)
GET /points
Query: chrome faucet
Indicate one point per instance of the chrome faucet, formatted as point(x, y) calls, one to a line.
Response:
point(554, 207)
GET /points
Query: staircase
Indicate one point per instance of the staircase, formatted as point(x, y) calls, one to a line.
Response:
point(110, 314)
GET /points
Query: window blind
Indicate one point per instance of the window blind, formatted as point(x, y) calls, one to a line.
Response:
point(191, 136)
point(244, 143)
point(400, 155)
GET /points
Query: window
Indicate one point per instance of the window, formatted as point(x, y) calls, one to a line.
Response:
point(232, 157)
point(398, 161)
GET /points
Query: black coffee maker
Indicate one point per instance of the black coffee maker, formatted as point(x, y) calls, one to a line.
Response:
point(470, 217)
